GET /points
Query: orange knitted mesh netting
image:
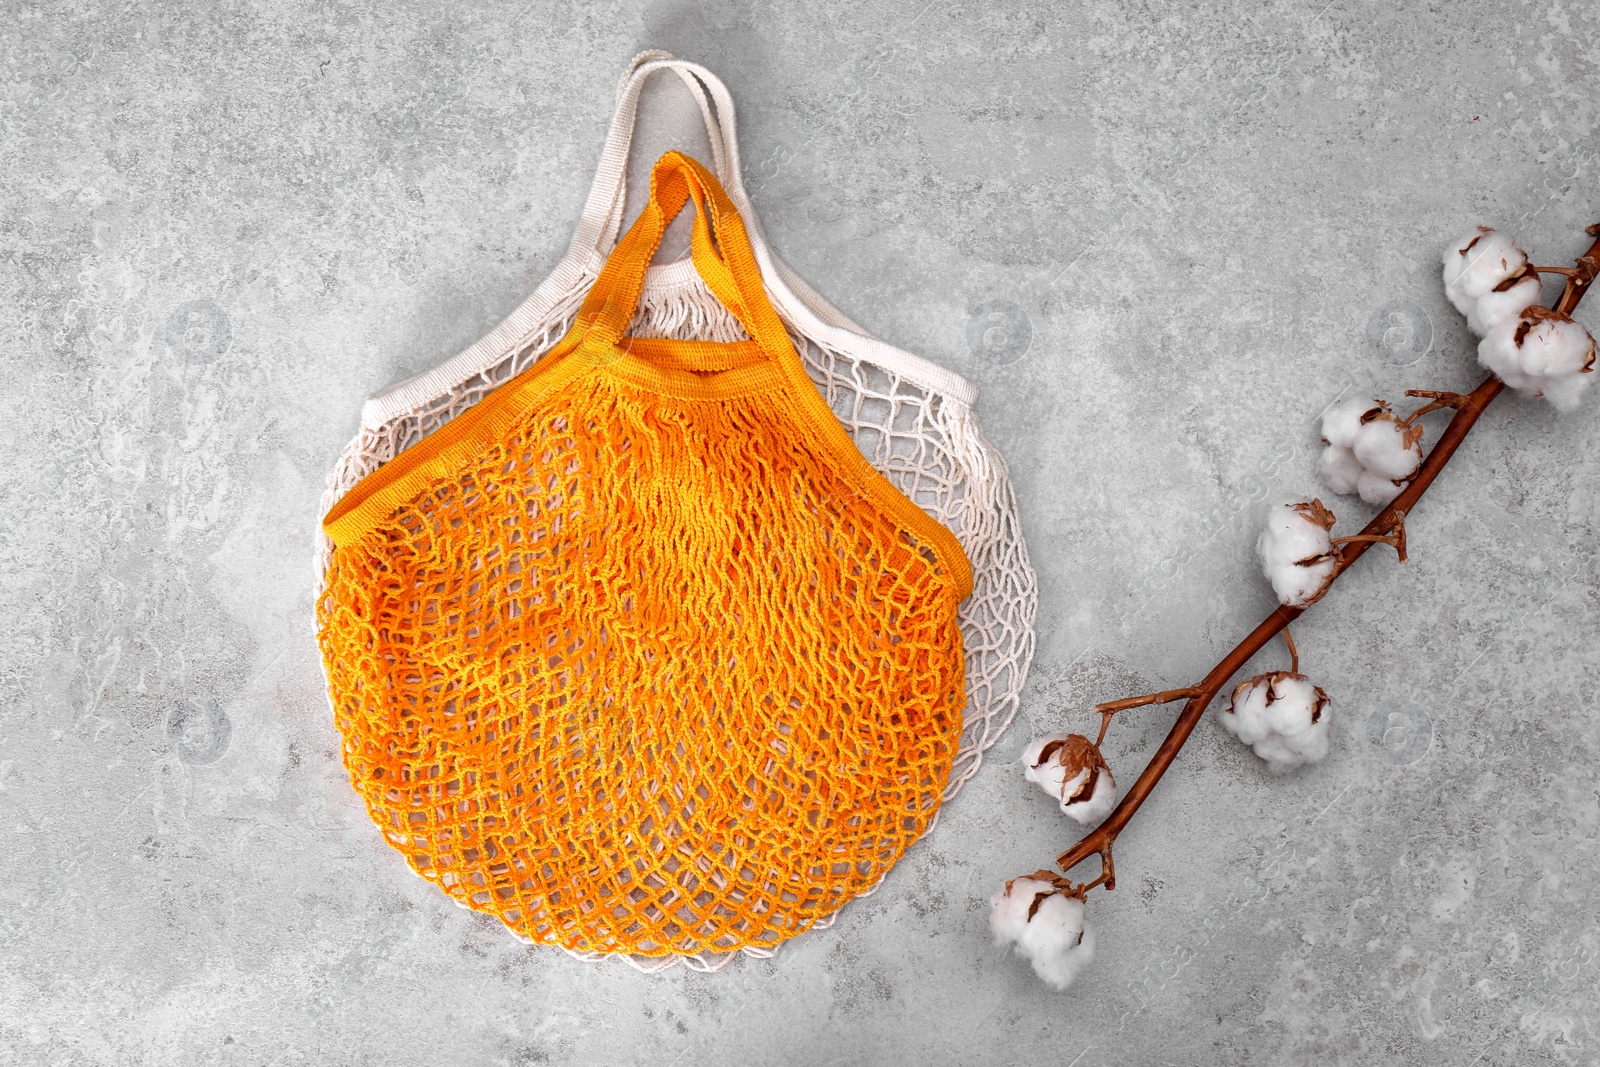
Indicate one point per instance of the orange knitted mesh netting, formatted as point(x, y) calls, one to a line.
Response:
point(640, 654)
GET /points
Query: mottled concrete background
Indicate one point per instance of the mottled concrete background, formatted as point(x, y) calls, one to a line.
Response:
point(1160, 237)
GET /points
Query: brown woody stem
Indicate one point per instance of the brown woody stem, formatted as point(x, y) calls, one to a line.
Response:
point(1387, 539)
point(1395, 537)
point(1468, 408)
point(1108, 873)
point(1439, 402)
point(1111, 707)
point(1294, 653)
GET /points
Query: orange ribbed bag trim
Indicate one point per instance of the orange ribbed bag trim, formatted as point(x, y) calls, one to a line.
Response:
point(640, 654)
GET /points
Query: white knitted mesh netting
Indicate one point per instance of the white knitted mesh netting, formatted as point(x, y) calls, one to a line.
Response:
point(929, 445)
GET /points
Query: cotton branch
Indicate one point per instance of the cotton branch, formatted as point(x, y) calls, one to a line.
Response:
point(1388, 527)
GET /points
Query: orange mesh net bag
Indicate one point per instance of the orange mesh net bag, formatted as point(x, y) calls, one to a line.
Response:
point(640, 654)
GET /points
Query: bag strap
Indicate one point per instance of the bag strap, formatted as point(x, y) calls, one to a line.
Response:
point(810, 311)
point(604, 211)
point(601, 221)
point(595, 234)
point(721, 251)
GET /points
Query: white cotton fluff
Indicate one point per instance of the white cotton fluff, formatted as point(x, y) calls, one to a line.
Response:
point(1342, 421)
point(1341, 469)
point(1389, 454)
point(1062, 765)
point(1540, 353)
point(1055, 938)
point(1377, 490)
point(1296, 552)
point(1477, 263)
point(1388, 448)
point(1369, 451)
point(1497, 305)
point(1283, 717)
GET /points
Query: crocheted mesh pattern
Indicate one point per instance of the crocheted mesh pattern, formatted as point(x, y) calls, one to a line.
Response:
point(932, 450)
point(646, 674)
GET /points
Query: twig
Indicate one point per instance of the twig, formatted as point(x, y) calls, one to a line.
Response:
point(1294, 653)
point(1395, 537)
point(1111, 707)
point(1468, 408)
point(1578, 284)
point(1439, 401)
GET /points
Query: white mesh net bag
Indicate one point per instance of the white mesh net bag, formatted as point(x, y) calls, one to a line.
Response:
point(912, 419)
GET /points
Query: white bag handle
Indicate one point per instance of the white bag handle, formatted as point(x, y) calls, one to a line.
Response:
point(599, 228)
point(601, 223)
point(809, 310)
point(611, 185)
point(706, 87)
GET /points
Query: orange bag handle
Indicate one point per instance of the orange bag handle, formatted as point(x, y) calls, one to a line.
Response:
point(726, 261)
point(722, 254)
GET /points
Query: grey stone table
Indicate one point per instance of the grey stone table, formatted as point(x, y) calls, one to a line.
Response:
point(222, 225)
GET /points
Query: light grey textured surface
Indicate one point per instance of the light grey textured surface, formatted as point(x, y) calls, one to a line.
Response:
point(222, 225)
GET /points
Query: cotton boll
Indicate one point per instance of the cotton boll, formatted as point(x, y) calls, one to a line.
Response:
point(1566, 393)
point(1070, 768)
point(1296, 552)
point(1500, 304)
point(1388, 448)
point(1498, 353)
point(1368, 449)
point(1377, 490)
point(1341, 468)
point(1282, 717)
point(1455, 256)
point(1045, 925)
point(1245, 717)
point(1342, 421)
point(1060, 943)
point(1040, 767)
point(1008, 915)
point(1554, 348)
point(1541, 353)
point(1093, 800)
point(1477, 263)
